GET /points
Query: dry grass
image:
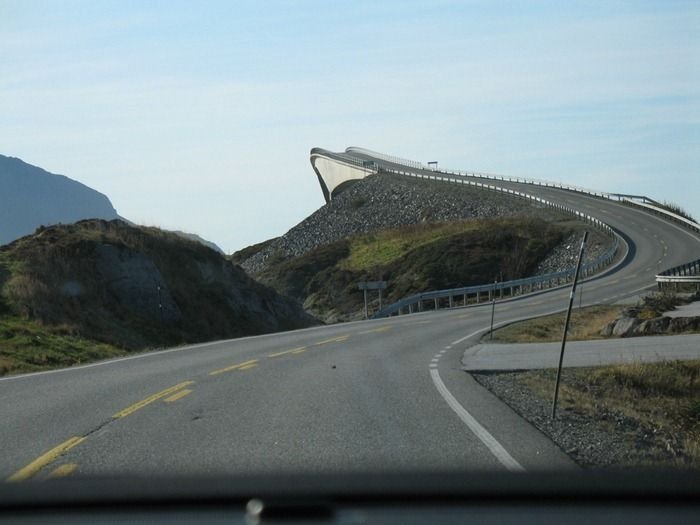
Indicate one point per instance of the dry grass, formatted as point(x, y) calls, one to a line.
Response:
point(586, 323)
point(660, 401)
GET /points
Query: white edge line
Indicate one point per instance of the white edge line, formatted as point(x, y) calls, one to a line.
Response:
point(479, 431)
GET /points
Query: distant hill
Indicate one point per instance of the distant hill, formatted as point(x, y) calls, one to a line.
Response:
point(135, 287)
point(31, 197)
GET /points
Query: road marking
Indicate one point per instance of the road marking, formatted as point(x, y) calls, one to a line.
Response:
point(461, 316)
point(297, 350)
point(43, 460)
point(486, 438)
point(376, 330)
point(64, 470)
point(338, 339)
point(177, 395)
point(248, 367)
point(535, 303)
point(422, 322)
point(434, 359)
point(151, 399)
point(629, 277)
point(232, 367)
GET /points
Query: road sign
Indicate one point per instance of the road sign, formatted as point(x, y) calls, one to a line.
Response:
point(371, 285)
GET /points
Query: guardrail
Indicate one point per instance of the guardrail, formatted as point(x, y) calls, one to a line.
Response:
point(683, 274)
point(369, 166)
point(665, 213)
point(514, 287)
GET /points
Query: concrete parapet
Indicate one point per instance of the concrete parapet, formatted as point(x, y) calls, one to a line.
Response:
point(335, 169)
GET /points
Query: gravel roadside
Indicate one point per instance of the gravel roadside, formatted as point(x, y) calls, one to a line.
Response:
point(609, 440)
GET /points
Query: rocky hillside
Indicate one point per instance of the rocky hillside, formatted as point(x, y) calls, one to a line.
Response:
point(31, 197)
point(377, 203)
point(135, 287)
point(417, 235)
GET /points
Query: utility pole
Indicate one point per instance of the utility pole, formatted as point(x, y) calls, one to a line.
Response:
point(566, 324)
point(493, 307)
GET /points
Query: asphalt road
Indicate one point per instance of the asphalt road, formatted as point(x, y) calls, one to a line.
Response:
point(382, 395)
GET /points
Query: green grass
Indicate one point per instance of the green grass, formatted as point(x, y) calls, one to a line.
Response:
point(29, 346)
point(383, 248)
point(662, 398)
point(585, 324)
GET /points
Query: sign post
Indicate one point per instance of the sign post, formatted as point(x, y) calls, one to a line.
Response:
point(566, 324)
point(371, 285)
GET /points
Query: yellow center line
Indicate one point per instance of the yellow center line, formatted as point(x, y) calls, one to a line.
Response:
point(64, 470)
point(177, 395)
point(422, 322)
point(150, 399)
point(338, 339)
point(377, 330)
point(248, 367)
point(232, 367)
point(292, 351)
point(43, 460)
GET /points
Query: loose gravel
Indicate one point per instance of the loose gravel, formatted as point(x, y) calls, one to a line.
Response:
point(609, 440)
point(388, 201)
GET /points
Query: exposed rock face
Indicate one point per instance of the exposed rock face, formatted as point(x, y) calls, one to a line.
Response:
point(31, 197)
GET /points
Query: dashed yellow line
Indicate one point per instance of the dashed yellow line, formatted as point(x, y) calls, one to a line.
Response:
point(177, 395)
point(462, 316)
point(151, 399)
point(297, 350)
point(422, 322)
point(338, 339)
point(248, 367)
point(64, 470)
point(377, 330)
point(233, 367)
point(43, 460)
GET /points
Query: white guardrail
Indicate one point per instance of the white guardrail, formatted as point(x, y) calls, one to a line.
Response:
point(683, 274)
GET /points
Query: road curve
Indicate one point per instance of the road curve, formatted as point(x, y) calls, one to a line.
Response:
point(382, 395)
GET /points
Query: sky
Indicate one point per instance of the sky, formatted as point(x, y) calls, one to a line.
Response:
point(199, 116)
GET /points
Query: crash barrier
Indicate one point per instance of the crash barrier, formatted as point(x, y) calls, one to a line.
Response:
point(476, 294)
point(680, 277)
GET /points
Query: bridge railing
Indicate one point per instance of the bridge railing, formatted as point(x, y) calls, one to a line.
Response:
point(634, 200)
point(508, 288)
point(369, 166)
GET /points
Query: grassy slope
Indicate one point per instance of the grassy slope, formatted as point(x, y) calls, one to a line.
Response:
point(413, 259)
point(29, 346)
point(43, 326)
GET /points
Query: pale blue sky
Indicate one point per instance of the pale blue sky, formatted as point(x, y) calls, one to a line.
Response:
point(200, 116)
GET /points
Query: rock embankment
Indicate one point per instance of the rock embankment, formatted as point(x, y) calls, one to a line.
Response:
point(383, 202)
point(565, 255)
